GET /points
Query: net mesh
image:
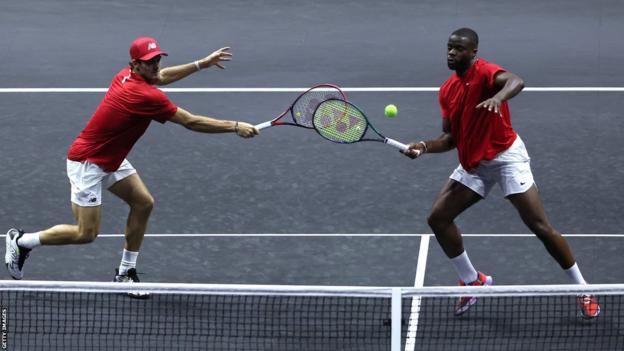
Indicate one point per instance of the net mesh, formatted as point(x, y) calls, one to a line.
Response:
point(515, 323)
point(83, 321)
point(57, 316)
point(303, 109)
point(340, 121)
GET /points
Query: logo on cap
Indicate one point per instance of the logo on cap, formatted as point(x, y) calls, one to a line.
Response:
point(144, 48)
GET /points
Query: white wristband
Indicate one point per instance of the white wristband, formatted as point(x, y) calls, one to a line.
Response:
point(197, 65)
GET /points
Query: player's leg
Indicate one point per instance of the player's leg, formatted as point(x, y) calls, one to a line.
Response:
point(131, 189)
point(516, 180)
point(531, 210)
point(19, 244)
point(515, 177)
point(460, 192)
point(529, 206)
point(86, 190)
point(453, 199)
point(85, 231)
point(86, 198)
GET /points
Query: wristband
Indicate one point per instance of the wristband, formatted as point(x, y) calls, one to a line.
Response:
point(424, 145)
point(236, 127)
point(197, 65)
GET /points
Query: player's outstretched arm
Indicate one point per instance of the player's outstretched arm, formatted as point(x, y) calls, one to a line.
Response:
point(443, 143)
point(509, 84)
point(205, 124)
point(172, 74)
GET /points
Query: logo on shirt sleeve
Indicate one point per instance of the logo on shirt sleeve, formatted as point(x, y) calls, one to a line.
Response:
point(125, 78)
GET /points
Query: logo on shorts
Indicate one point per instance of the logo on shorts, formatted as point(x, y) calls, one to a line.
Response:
point(92, 199)
point(522, 183)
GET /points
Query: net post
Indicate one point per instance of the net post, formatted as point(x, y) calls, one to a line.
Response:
point(396, 319)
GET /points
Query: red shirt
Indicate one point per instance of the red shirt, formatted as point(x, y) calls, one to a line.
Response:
point(119, 121)
point(478, 133)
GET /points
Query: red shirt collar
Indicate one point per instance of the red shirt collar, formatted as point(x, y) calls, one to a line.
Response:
point(136, 76)
point(469, 71)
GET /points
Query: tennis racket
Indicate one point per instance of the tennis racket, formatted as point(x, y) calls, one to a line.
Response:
point(302, 109)
point(342, 122)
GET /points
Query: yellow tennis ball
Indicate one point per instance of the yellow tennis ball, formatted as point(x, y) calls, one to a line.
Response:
point(390, 111)
point(298, 114)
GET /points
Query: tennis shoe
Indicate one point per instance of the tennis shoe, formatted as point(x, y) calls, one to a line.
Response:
point(131, 277)
point(588, 304)
point(465, 302)
point(15, 255)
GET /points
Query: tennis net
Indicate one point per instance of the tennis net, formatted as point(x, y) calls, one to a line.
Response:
point(99, 316)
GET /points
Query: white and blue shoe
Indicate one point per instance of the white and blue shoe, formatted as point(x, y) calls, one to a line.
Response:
point(131, 277)
point(15, 256)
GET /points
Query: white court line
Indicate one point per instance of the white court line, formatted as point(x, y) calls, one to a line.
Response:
point(419, 282)
point(354, 235)
point(350, 235)
point(297, 90)
point(183, 235)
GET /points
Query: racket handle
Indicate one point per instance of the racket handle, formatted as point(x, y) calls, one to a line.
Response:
point(261, 126)
point(399, 145)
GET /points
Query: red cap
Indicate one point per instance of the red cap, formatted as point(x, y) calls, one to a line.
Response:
point(145, 48)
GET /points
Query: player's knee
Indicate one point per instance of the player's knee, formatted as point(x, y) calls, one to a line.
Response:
point(437, 220)
point(542, 229)
point(146, 204)
point(87, 234)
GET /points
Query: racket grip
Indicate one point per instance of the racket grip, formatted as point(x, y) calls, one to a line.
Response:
point(399, 145)
point(261, 126)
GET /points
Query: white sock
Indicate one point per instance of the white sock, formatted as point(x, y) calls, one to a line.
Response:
point(128, 260)
point(467, 273)
point(29, 240)
point(574, 273)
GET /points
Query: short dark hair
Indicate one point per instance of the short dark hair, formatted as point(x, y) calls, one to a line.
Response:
point(467, 33)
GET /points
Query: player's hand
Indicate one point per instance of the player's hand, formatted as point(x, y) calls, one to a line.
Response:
point(414, 150)
point(492, 104)
point(216, 58)
point(246, 130)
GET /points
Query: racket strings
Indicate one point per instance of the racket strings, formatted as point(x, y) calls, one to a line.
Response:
point(339, 121)
point(303, 109)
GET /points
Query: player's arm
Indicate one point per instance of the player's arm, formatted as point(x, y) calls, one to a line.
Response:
point(205, 124)
point(443, 143)
point(172, 74)
point(509, 84)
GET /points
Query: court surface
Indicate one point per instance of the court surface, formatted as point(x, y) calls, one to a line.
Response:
point(286, 185)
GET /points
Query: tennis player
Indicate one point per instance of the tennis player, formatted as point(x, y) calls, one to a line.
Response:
point(97, 158)
point(476, 121)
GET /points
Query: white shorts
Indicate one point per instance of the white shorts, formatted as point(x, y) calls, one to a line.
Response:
point(511, 169)
point(86, 180)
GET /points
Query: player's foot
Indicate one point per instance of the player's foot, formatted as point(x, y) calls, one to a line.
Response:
point(589, 306)
point(130, 277)
point(465, 302)
point(15, 255)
